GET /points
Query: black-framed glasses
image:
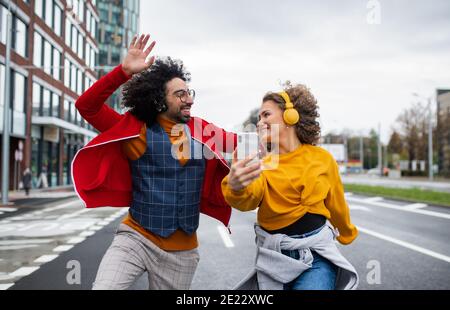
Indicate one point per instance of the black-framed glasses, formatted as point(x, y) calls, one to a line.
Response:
point(183, 94)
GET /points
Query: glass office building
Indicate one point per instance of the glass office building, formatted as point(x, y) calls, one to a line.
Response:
point(119, 22)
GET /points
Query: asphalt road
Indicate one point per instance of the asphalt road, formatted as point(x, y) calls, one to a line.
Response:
point(400, 246)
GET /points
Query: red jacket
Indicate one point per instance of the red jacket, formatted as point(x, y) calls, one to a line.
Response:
point(101, 172)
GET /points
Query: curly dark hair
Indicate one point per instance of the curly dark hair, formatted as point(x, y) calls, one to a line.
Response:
point(145, 94)
point(308, 128)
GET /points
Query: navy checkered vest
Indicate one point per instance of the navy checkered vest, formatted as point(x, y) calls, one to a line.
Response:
point(166, 195)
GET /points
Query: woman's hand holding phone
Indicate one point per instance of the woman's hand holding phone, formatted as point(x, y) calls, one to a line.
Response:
point(241, 175)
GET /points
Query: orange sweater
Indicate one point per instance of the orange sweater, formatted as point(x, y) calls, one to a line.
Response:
point(134, 149)
point(305, 180)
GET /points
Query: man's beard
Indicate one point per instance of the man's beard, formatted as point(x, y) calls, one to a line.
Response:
point(180, 118)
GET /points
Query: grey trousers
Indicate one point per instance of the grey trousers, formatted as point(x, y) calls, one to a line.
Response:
point(131, 254)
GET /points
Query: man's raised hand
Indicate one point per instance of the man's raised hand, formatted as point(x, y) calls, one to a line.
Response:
point(136, 59)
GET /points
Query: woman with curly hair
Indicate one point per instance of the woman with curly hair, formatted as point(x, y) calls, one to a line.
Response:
point(296, 189)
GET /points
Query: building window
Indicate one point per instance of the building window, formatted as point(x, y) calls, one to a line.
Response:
point(79, 82)
point(66, 72)
point(54, 166)
point(36, 158)
point(92, 59)
point(66, 110)
point(80, 45)
point(39, 8)
point(73, 114)
point(56, 64)
point(2, 85)
point(68, 32)
point(3, 17)
point(19, 92)
point(46, 102)
point(88, 54)
point(37, 57)
point(93, 27)
point(47, 58)
point(55, 105)
point(36, 99)
point(57, 22)
point(20, 38)
point(73, 78)
point(88, 20)
point(49, 13)
point(74, 39)
point(81, 11)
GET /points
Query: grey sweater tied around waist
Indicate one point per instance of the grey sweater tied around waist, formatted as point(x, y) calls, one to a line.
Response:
point(274, 269)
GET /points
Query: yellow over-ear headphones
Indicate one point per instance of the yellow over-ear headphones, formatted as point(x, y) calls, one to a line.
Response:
point(290, 115)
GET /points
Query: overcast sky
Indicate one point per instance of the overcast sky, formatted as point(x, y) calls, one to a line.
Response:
point(361, 72)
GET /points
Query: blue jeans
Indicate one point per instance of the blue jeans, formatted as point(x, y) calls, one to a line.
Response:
point(322, 274)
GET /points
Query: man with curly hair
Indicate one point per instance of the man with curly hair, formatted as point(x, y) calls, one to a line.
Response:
point(157, 159)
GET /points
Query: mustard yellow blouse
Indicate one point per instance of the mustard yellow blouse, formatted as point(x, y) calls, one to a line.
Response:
point(305, 180)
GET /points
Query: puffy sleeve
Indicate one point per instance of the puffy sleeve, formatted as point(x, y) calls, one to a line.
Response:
point(338, 207)
point(246, 199)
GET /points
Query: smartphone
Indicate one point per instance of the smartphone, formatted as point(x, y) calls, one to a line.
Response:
point(248, 144)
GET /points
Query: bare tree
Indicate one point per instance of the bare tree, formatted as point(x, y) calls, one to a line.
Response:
point(395, 145)
point(413, 129)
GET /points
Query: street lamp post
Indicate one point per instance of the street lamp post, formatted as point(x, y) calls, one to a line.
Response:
point(346, 154)
point(361, 152)
point(380, 159)
point(6, 102)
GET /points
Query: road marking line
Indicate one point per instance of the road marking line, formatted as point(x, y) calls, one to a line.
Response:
point(63, 206)
point(25, 241)
point(5, 209)
point(39, 212)
point(358, 207)
point(5, 286)
point(405, 244)
point(5, 276)
point(95, 227)
point(348, 194)
point(17, 247)
point(394, 207)
point(76, 240)
point(103, 223)
point(17, 218)
point(23, 271)
point(45, 258)
point(62, 248)
point(416, 206)
point(74, 214)
point(223, 232)
point(87, 233)
point(372, 199)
